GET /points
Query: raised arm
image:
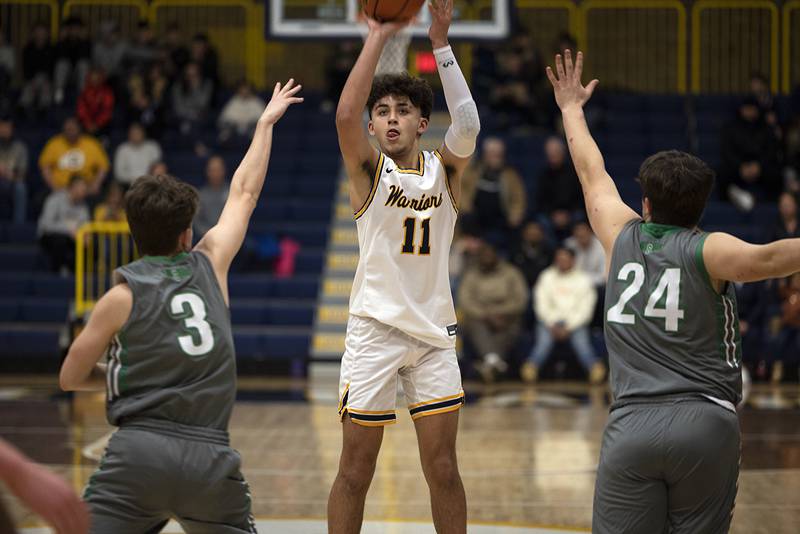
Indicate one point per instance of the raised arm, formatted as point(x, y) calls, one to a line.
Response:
point(360, 157)
point(222, 242)
point(728, 258)
point(606, 210)
point(459, 141)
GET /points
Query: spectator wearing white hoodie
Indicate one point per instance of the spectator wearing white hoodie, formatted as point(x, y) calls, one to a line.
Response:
point(564, 299)
point(135, 156)
point(240, 114)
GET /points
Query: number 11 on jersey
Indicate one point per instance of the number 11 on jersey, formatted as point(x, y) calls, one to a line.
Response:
point(410, 226)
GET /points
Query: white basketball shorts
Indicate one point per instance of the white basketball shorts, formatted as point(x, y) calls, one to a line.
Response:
point(375, 356)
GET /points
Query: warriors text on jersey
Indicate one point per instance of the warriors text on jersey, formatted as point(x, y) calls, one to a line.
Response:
point(404, 233)
point(668, 331)
point(174, 358)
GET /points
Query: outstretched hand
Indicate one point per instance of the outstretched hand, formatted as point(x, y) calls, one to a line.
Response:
point(567, 86)
point(282, 98)
point(441, 17)
point(386, 29)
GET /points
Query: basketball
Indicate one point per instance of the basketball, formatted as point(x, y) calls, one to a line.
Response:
point(391, 10)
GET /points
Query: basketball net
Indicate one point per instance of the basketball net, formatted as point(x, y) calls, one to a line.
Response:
point(394, 58)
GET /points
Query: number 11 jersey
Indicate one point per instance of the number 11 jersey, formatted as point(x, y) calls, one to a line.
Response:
point(668, 331)
point(405, 229)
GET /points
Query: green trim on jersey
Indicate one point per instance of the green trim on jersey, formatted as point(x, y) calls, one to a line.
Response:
point(123, 353)
point(659, 230)
point(701, 262)
point(167, 259)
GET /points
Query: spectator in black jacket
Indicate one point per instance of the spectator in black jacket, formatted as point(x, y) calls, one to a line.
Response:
point(787, 224)
point(73, 55)
point(750, 167)
point(37, 71)
point(532, 253)
point(559, 195)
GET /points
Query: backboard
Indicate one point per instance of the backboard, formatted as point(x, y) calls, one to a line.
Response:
point(315, 19)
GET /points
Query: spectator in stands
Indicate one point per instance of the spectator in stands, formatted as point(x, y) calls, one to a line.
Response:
point(112, 209)
point(564, 41)
point(8, 61)
point(759, 89)
point(785, 341)
point(511, 96)
point(212, 196)
point(787, 223)
point(492, 193)
point(135, 156)
point(558, 194)
point(96, 103)
point(142, 52)
point(174, 52)
point(240, 114)
point(203, 54)
point(752, 303)
point(191, 98)
point(589, 254)
point(37, 71)
point(532, 253)
point(73, 54)
point(109, 51)
point(340, 62)
point(492, 297)
point(147, 93)
point(73, 153)
point(65, 211)
point(750, 166)
point(564, 300)
point(157, 168)
point(13, 173)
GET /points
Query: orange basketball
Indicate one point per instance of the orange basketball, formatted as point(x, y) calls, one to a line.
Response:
point(390, 10)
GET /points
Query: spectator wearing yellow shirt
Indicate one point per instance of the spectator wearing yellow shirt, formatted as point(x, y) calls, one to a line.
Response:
point(73, 153)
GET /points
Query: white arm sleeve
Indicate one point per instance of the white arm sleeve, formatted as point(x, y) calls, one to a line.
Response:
point(460, 137)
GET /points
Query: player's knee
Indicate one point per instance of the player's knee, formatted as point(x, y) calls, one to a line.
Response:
point(442, 470)
point(356, 477)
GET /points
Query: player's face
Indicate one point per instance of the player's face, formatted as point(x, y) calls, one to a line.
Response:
point(397, 124)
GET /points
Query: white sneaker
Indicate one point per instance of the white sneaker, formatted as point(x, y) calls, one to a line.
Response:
point(494, 361)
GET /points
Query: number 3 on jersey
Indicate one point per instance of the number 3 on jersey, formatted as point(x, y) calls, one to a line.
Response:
point(670, 283)
point(410, 226)
point(199, 338)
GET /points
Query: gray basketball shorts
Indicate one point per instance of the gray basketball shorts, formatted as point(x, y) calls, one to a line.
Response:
point(147, 478)
point(670, 466)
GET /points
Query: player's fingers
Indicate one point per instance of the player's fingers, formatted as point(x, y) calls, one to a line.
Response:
point(568, 62)
point(560, 67)
point(288, 85)
point(591, 87)
point(296, 100)
point(551, 76)
point(277, 89)
point(579, 65)
point(293, 90)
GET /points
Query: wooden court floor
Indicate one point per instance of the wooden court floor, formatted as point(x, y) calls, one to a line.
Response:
point(527, 455)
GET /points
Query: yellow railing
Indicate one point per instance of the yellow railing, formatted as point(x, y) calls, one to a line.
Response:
point(126, 13)
point(724, 61)
point(100, 247)
point(19, 17)
point(631, 63)
point(789, 10)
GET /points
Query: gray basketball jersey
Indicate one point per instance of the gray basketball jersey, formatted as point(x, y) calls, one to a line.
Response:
point(174, 358)
point(668, 331)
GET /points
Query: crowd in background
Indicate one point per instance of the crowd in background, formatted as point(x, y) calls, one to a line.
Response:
point(528, 274)
point(148, 87)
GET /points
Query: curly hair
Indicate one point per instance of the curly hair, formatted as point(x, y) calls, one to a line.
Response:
point(159, 208)
point(417, 90)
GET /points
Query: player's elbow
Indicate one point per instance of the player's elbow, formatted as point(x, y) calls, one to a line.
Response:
point(65, 381)
point(346, 116)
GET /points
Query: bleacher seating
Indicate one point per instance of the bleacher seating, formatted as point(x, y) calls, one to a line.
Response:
point(272, 317)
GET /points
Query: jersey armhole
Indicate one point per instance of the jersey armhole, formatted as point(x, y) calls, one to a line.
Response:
point(701, 264)
point(119, 279)
point(447, 181)
point(210, 267)
point(617, 241)
point(375, 181)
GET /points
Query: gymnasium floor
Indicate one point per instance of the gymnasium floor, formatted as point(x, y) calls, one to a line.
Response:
point(527, 455)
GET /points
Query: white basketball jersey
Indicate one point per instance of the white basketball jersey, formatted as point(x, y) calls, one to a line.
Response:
point(404, 233)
